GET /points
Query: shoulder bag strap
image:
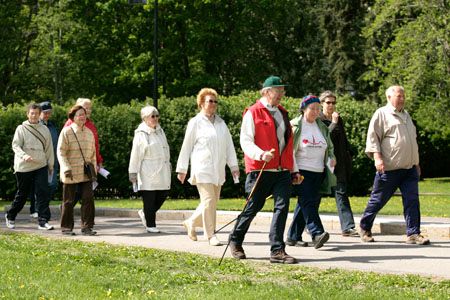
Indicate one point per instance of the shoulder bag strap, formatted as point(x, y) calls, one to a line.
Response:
point(39, 138)
point(78, 144)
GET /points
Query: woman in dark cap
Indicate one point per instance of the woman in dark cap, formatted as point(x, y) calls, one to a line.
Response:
point(313, 150)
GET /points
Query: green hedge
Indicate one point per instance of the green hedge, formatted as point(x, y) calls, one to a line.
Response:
point(116, 126)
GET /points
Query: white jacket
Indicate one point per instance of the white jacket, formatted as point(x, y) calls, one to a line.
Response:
point(150, 158)
point(209, 146)
point(25, 144)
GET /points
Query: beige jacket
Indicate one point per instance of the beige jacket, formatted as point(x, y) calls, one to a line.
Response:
point(69, 154)
point(393, 134)
point(27, 143)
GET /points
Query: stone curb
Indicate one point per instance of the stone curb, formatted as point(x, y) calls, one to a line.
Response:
point(435, 228)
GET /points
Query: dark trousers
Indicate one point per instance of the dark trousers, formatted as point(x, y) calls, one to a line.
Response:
point(26, 181)
point(277, 184)
point(52, 186)
point(384, 187)
point(343, 206)
point(307, 210)
point(153, 200)
point(87, 205)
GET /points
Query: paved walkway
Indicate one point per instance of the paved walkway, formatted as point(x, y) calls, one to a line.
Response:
point(388, 255)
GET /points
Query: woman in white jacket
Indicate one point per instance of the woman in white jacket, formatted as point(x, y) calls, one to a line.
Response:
point(209, 146)
point(150, 167)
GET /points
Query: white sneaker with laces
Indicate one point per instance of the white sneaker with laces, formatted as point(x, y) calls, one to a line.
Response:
point(152, 230)
point(214, 241)
point(142, 216)
point(10, 223)
point(46, 226)
point(34, 215)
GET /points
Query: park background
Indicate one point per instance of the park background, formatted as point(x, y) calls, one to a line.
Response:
point(62, 50)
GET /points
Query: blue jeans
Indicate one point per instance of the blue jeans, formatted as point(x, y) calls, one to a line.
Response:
point(306, 212)
point(343, 206)
point(384, 187)
point(277, 184)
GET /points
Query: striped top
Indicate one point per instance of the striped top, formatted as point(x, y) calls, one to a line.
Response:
point(69, 154)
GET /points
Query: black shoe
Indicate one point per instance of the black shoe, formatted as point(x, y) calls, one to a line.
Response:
point(88, 231)
point(68, 232)
point(299, 243)
point(320, 239)
point(237, 251)
point(290, 242)
point(281, 257)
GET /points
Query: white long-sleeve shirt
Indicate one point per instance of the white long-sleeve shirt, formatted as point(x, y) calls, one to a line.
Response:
point(209, 147)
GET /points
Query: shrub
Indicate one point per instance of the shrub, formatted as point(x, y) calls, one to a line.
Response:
point(116, 127)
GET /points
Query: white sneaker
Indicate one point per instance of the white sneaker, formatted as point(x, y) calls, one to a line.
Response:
point(214, 241)
point(142, 216)
point(10, 223)
point(34, 215)
point(46, 226)
point(152, 229)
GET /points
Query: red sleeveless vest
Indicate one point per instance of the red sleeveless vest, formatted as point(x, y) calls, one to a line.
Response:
point(266, 139)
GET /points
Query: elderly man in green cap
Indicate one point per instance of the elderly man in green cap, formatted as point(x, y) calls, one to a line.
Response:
point(266, 139)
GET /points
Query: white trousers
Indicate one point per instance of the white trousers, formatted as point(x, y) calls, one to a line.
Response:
point(205, 214)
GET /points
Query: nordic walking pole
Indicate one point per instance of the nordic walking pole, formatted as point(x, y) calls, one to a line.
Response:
point(250, 195)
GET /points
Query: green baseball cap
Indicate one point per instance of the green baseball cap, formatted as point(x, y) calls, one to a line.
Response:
point(273, 81)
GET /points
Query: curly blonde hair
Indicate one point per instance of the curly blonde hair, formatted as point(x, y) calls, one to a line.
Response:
point(203, 93)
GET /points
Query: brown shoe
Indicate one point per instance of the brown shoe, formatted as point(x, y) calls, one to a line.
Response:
point(350, 232)
point(281, 257)
point(366, 236)
point(190, 230)
point(417, 239)
point(237, 251)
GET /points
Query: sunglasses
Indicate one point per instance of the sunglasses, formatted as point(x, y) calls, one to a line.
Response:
point(154, 116)
point(330, 102)
point(212, 101)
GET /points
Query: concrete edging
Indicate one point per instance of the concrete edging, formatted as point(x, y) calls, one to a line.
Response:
point(437, 228)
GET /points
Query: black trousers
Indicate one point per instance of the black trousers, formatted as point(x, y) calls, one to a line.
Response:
point(26, 182)
point(153, 200)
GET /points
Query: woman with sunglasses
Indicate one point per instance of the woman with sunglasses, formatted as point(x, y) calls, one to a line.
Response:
point(342, 151)
point(209, 147)
point(149, 168)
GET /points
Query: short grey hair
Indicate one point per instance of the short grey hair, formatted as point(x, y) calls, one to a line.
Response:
point(263, 91)
point(325, 95)
point(393, 88)
point(147, 111)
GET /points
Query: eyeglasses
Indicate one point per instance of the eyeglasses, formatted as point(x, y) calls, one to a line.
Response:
point(154, 116)
point(212, 101)
point(282, 92)
point(330, 102)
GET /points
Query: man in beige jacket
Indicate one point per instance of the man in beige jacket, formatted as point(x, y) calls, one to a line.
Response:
point(391, 142)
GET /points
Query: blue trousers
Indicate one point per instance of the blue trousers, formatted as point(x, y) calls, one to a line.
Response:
point(277, 184)
point(306, 212)
point(343, 206)
point(384, 187)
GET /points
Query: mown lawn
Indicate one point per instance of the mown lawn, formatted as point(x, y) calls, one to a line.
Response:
point(434, 199)
point(35, 267)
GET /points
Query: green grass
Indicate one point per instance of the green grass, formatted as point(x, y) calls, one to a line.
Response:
point(35, 267)
point(431, 205)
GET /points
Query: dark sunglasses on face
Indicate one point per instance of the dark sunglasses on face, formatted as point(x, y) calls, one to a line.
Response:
point(212, 101)
point(330, 102)
point(154, 116)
